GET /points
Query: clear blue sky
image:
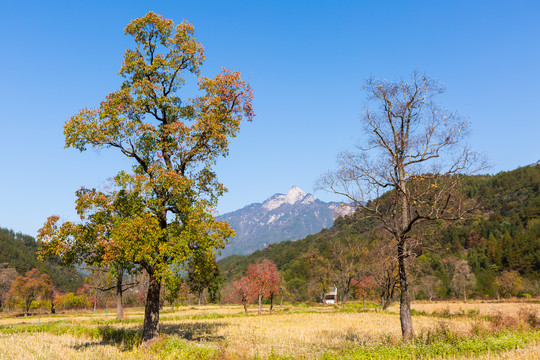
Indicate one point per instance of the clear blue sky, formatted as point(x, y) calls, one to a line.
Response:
point(305, 60)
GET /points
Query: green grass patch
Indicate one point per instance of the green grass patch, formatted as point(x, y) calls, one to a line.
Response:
point(438, 345)
point(175, 348)
point(54, 327)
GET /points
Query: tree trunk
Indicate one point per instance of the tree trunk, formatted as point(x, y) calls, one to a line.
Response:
point(404, 301)
point(271, 302)
point(260, 304)
point(343, 300)
point(27, 309)
point(200, 297)
point(119, 293)
point(151, 310)
point(245, 308)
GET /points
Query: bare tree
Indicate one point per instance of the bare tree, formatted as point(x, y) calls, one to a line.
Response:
point(409, 170)
point(346, 260)
point(463, 279)
point(382, 266)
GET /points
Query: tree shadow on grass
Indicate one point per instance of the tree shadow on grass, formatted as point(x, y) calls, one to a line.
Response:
point(127, 339)
point(198, 331)
point(124, 339)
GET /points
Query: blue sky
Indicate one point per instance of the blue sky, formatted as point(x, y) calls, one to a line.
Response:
point(306, 61)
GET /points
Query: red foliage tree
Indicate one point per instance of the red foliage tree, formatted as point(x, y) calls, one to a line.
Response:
point(243, 292)
point(363, 286)
point(265, 280)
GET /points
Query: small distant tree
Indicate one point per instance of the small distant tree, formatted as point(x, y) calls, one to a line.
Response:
point(463, 280)
point(34, 285)
point(382, 265)
point(430, 285)
point(364, 286)
point(265, 279)
point(346, 260)
point(321, 274)
point(410, 169)
point(509, 283)
point(296, 289)
point(243, 292)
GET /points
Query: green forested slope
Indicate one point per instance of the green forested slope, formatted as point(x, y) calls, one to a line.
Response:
point(19, 251)
point(502, 234)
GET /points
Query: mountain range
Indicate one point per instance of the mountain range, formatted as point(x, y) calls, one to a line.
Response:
point(279, 218)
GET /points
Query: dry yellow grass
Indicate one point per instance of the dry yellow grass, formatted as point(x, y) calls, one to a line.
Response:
point(305, 333)
point(465, 307)
point(51, 347)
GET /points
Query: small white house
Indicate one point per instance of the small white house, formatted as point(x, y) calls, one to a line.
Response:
point(330, 298)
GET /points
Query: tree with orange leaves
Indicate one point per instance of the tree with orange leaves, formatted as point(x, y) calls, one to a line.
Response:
point(30, 287)
point(173, 142)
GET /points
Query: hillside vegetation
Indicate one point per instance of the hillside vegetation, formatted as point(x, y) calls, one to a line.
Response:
point(494, 252)
point(19, 252)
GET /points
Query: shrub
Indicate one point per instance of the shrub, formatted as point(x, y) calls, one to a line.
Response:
point(71, 301)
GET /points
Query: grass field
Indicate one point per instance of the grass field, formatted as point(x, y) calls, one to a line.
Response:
point(444, 330)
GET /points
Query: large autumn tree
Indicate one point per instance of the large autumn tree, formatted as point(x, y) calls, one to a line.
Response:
point(409, 171)
point(173, 142)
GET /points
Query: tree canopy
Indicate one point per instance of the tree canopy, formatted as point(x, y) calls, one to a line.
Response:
point(173, 141)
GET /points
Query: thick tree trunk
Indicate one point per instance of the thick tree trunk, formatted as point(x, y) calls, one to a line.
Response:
point(119, 293)
point(151, 310)
point(404, 301)
point(260, 304)
point(245, 308)
point(271, 302)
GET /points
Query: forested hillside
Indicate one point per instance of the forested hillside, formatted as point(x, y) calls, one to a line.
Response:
point(19, 252)
point(494, 252)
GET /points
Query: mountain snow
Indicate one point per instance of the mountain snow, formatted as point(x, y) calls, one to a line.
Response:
point(281, 217)
point(293, 196)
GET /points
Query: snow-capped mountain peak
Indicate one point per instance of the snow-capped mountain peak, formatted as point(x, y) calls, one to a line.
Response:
point(281, 217)
point(294, 195)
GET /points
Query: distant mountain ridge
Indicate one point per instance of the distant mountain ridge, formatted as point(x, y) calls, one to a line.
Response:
point(281, 217)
